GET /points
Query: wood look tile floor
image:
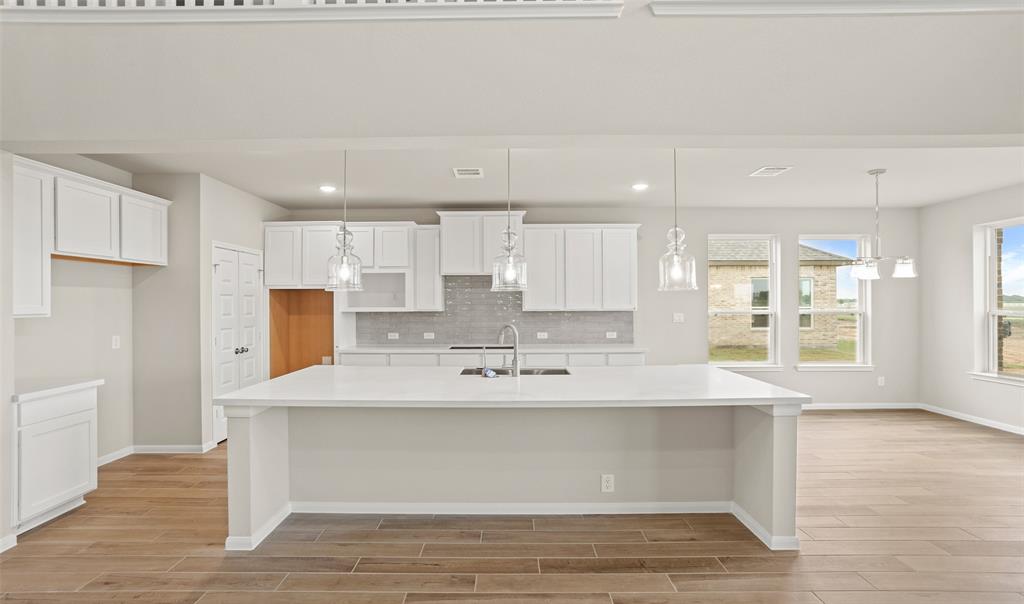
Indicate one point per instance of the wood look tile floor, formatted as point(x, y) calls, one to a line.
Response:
point(895, 507)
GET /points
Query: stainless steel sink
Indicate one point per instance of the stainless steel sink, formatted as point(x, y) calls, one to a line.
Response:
point(506, 371)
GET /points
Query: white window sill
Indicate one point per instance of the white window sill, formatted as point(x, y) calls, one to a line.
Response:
point(983, 376)
point(765, 367)
point(834, 367)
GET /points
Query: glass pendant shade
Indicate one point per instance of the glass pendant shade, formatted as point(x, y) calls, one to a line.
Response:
point(905, 268)
point(508, 271)
point(677, 270)
point(344, 268)
point(865, 270)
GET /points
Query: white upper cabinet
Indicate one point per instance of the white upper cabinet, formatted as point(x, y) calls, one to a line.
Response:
point(318, 245)
point(580, 267)
point(391, 247)
point(471, 240)
point(362, 244)
point(87, 220)
point(545, 269)
point(429, 285)
point(143, 230)
point(33, 241)
point(282, 256)
point(618, 271)
point(583, 276)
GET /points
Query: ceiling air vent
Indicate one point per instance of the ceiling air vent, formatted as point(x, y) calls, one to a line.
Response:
point(771, 170)
point(468, 172)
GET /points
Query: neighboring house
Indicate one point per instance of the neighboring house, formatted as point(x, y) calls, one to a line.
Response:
point(738, 278)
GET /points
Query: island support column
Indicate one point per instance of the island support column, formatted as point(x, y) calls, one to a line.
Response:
point(258, 476)
point(764, 473)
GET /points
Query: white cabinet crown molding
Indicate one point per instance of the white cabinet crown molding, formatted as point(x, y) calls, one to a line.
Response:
point(68, 174)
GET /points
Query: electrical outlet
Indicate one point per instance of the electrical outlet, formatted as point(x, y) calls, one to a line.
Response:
point(428, 335)
point(392, 335)
point(607, 483)
point(611, 335)
point(115, 342)
point(542, 335)
point(881, 380)
point(678, 317)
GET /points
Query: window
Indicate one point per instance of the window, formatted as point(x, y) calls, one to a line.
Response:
point(806, 302)
point(742, 309)
point(1005, 312)
point(833, 304)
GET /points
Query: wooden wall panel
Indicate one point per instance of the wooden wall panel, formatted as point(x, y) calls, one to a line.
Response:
point(301, 329)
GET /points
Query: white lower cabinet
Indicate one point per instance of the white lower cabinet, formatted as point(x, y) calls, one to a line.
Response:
point(459, 360)
point(413, 360)
point(363, 360)
point(543, 359)
point(55, 451)
point(494, 359)
point(588, 359)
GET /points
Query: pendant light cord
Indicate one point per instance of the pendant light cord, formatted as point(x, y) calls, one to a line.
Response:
point(878, 239)
point(508, 190)
point(344, 196)
point(675, 197)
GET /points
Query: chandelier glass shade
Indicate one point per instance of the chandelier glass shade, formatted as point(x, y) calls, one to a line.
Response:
point(344, 268)
point(508, 271)
point(867, 268)
point(677, 270)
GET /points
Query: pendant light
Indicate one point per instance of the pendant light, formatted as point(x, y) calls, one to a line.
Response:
point(677, 270)
point(508, 272)
point(866, 268)
point(344, 268)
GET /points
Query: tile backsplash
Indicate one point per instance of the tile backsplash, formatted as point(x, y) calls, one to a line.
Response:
point(473, 314)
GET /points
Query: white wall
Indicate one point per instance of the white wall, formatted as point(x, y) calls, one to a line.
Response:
point(895, 324)
point(91, 302)
point(165, 320)
point(6, 345)
point(228, 215)
point(947, 310)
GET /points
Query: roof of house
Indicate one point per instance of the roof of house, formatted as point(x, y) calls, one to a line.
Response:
point(756, 251)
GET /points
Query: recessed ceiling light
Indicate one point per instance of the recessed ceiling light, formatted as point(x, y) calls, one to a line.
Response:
point(640, 186)
point(771, 170)
point(328, 188)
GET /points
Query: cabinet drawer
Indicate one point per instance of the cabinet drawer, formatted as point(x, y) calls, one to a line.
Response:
point(413, 360)
point(460, 360)
point(627, 358)
point(41, 410)
point(536, 359)
point(363, 360)
point(588, 360)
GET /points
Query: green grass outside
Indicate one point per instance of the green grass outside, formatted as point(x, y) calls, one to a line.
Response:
point(845, 351)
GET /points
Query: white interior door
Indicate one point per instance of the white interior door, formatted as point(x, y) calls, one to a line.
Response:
point(227, 338)
point(248, 318)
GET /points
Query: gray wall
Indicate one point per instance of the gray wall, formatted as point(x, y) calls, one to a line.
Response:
point(90, 303)
point(473, 313)
point(895, 307)
point(947, 353)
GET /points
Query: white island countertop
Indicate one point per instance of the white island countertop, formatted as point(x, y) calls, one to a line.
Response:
point(443, 387)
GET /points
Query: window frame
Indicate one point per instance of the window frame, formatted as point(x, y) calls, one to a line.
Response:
point(772, 310)
point(801, 307)
point(752, 307)
point(863, 310)
point(992, 313)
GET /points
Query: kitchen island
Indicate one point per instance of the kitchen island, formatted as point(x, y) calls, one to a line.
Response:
point(427, 440)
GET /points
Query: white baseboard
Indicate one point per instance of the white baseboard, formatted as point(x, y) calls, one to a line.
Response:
point(247, 544)
point(7, 542)
point(209, 446)
point(625, 507)
point(773, 542)
point(974, 419)
point(49, 515)
point(115, 455)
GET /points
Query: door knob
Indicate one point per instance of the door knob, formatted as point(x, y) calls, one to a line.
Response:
point(245, 349)
point(238, 351)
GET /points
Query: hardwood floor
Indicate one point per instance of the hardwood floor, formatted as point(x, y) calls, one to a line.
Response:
point(895, 507)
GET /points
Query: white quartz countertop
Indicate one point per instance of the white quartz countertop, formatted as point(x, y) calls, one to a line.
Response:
point(535, 348)
point(33, 389)
point(443, 387)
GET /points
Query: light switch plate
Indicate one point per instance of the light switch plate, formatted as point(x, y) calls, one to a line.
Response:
point(428, 335)
point(392, 335)
point(678, 317)
point(881, 380)
point(611, 335)
point(542, 335)
point(115, 342)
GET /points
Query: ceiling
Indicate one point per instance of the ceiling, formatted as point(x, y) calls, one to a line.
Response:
point(599, 177)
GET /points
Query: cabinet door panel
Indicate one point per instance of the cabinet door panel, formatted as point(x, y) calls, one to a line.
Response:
point(545, 262)
point(461, 245)
point(318, 245)
point(428, 288)
point(391, 247)
point(56, 462)
point(87, 220)
point(143, 230)
point(282, 256)
point(363, 360)
point(362, 245)
point(33, 242)
point(618, 270)
point(583, 269)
